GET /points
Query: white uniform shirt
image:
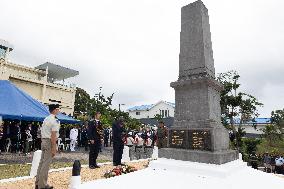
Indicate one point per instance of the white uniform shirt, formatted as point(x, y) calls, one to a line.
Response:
point(139, 141)
point(50, 123)
point(149, 142)
point(129, 141)
point(279, 161)
point(73, 134)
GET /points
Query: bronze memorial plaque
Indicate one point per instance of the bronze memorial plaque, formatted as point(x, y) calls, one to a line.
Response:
point(177, 138)
point(199, 140)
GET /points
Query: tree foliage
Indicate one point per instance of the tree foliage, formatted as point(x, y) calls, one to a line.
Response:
point(277, 119)
point(237, 107)
point(85, 107)
point(249, 146)
point(158, 117)
point(274, 131)
point(82, 102)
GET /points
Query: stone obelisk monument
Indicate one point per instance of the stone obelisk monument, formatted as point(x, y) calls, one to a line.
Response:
point(198, 134)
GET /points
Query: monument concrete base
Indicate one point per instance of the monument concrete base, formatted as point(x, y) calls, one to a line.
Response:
point(218, 157)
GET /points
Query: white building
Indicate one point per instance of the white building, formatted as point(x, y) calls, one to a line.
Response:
point(46, 83)
point(163, 108)
point(252, 131)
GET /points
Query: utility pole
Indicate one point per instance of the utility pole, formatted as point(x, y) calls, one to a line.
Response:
point(119, 106)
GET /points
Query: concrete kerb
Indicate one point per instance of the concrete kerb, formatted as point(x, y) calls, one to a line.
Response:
point(15, 179)
point(50, 171)
point(60, 169)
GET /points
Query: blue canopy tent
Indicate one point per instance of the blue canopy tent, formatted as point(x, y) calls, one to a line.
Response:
point(16, 104)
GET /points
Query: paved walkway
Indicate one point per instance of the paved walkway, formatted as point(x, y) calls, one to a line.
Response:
point(12, 158)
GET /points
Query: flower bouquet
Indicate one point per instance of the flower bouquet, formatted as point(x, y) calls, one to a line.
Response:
point(119, 171)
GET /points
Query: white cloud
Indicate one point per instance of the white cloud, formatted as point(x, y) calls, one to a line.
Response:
point(131, 47)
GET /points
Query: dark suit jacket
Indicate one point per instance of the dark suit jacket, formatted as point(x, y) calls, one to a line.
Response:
point(118, 133)
point(95, 131)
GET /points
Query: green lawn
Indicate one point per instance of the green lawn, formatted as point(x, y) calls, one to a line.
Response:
point(19, 170)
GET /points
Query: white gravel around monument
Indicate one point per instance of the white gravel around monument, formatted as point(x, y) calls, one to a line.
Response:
point(61, 180)
point(169, 174)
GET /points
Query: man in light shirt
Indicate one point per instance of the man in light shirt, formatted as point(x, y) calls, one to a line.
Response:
point(130, 143)
point(139, 146)
point(49, 134)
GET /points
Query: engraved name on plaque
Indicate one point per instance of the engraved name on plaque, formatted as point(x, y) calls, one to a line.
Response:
point(199, 140)
point(177, 138)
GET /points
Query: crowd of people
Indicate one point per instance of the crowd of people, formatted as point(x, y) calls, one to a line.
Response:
point(273, 163)
point(16, 136)
point(52, 137)
point(140, 142)
point(25, 137)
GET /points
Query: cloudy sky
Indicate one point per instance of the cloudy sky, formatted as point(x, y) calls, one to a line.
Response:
point(131, 47)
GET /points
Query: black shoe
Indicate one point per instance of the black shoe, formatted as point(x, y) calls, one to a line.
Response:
point(92, 167)
point(48, 187)
point(96, 166)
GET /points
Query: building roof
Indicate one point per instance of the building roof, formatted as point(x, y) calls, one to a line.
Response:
point(57, 72)
point(148, 107)
point(169, 121)
point(141, 108)
point(5, 44)
point(257, 121)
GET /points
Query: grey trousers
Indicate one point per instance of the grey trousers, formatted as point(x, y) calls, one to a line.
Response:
point(45, 161)
point(139, 151)
point(148, 151)
point(131, 152)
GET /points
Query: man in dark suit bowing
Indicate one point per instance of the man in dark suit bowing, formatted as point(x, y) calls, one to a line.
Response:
point(95, 136)
point(119, 135)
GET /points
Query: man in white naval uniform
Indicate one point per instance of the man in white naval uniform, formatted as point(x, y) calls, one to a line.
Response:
point(73, 138)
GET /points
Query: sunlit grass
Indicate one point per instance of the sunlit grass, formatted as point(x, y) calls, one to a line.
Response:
point(19, 170)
